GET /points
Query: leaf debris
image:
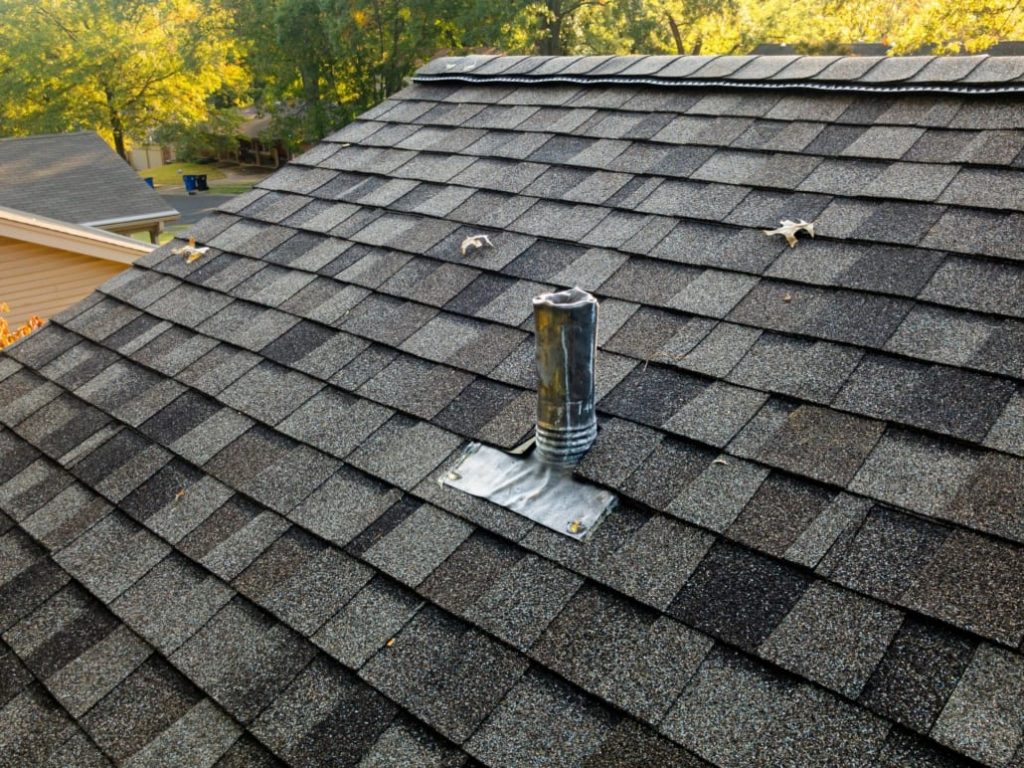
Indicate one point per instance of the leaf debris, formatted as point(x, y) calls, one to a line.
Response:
point(190, 251)
point(475, 241)
point(789, 229)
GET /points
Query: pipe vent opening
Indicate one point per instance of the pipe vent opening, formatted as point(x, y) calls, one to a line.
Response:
point(540, 485)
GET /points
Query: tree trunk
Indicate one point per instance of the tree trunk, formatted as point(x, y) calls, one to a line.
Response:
point(676, 36)
point(116, 125)
point(551, 42)
point(309, 72)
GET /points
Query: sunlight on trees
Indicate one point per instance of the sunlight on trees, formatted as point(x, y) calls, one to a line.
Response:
point(129, 67)
point(121, 67)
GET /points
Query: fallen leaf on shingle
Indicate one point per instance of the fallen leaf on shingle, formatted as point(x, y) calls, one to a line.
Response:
point(190, 252)
point(789, 229)
point(787, 298)
point(475, 241)
point(720, 461)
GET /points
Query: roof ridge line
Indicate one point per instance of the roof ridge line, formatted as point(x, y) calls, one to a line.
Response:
point(851, 86)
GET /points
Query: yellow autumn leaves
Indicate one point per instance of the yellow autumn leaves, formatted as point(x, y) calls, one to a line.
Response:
point(9, 335)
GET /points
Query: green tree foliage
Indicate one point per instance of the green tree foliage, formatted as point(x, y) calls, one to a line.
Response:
point(126, 67)
point(122, 67)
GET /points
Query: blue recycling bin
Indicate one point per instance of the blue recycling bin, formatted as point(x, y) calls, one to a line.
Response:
point(149, 180)
point(190, 183)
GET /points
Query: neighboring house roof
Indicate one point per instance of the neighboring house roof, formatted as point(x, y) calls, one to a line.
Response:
point(225, 539)
point(76, 177)
point(73, 238)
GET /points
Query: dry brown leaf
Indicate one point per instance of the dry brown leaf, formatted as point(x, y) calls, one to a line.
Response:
point(789, 229)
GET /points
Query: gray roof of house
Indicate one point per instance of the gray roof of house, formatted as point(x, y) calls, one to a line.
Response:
point(223, 541)
point(75, 177)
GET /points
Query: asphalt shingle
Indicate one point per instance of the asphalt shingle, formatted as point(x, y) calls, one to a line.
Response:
point(542, 720)
point(738, 596)
point(600, 630)
point(243, 658)
point(180, 435)
point(473, 672)
point(919, 671)
point(833, 637)
point(981, 717)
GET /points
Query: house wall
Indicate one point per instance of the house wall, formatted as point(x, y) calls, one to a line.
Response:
point(39, 280)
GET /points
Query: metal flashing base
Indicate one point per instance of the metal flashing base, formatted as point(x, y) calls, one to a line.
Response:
point(541, 492)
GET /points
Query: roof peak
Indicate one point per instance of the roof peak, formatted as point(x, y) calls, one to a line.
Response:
point(930, 74)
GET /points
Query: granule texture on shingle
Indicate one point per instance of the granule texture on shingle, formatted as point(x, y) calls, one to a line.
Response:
point(719, 494)
point(325, 714)
point(820, 731)
point(887, 554)
point(833, 637)
point(405, 743)
point(604, 631)
point(914, 471)
point(172, 602)
point(445, 672)
point(203, 734)
point(419, 544)
point(822, 443)
point(738, 595)
point(335, 421)
point(717, 413)
point(993, 497)
point(404, 451)
point(518, 606)
point(778, 513)
point(841, 518)
point(542, 721)
point(620, 447)
point(112, 555)
point(344, 505)
point(973, 582)
point(302, 580)
point(982, 717)
point(144, 705)
point(367, 622)
point(728, 703)
point(919, 671)
point(656, 561)
point(663, 475)
point(479, 561)
point(243, 658)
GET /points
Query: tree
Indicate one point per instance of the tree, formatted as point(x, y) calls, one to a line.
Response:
point(318, 63)
point(10, 335)
point(121, 67)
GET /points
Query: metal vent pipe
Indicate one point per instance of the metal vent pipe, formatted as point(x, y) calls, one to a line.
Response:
point(566, 324)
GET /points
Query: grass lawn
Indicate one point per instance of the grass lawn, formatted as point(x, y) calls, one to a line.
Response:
point(168, 234)
point(229, 189)
point(167, 175)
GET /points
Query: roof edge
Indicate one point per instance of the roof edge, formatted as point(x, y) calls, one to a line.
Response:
point(868, 74)
point(142, 218)
point(75, 238)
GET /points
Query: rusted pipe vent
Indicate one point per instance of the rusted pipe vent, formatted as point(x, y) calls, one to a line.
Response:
point(566, 324)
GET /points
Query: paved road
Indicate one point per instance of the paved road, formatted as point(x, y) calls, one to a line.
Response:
point(194, 207)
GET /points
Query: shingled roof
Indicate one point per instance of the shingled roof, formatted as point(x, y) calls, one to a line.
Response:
point(77, 178)
point(224, 542)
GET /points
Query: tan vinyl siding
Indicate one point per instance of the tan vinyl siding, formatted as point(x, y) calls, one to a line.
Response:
point(39, 280)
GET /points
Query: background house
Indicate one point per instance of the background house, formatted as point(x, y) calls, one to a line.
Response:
point(48, 265)
point(78, 178)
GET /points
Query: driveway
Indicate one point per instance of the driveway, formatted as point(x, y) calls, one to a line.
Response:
point(194, 207)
